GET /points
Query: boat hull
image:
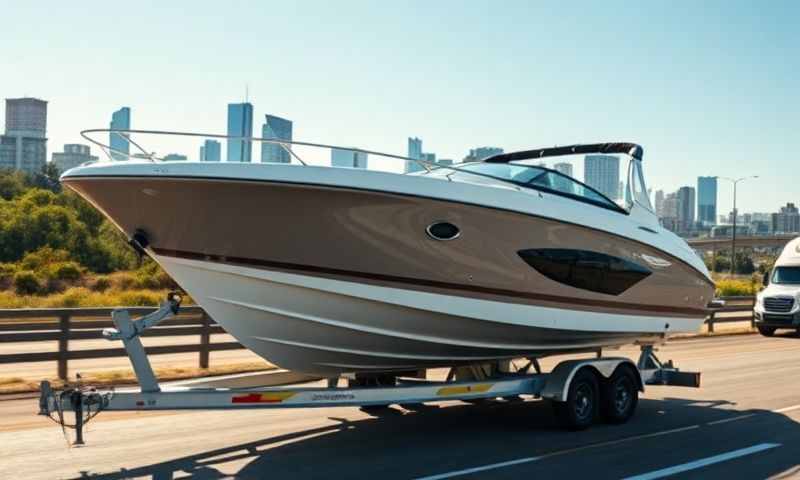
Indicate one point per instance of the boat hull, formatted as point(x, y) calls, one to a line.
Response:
point(325, 278)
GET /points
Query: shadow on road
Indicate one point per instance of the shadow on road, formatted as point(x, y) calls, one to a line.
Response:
point(411, 443)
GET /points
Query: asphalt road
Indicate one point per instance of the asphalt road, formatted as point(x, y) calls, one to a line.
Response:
point(743, 423)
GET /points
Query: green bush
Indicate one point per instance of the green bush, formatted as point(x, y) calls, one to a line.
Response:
point(66, 271)
point(101, 284)
point(27, 283)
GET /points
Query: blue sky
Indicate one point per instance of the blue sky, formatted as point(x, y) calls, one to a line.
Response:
point(709, 88)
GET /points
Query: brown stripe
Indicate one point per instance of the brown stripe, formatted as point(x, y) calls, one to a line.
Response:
point(430, 283)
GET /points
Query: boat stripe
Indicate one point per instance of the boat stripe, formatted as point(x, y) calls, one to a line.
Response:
point(380, 277)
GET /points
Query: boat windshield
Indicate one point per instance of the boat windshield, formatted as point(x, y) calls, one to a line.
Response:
point(614, 182)
point(786, 276)
point(541, 178)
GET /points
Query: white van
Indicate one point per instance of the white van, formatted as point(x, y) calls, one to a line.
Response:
point(778, 305)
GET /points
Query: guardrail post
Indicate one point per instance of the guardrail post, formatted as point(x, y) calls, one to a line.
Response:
point(710, 322)
point(205, 340)
point(753, 313)
point(63, 345)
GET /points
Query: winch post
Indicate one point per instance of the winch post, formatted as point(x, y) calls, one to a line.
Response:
point(129, 330)
point(77, 405)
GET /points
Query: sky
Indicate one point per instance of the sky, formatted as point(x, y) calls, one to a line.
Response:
point(708, 88)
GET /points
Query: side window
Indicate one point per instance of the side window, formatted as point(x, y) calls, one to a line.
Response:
point(593, 271)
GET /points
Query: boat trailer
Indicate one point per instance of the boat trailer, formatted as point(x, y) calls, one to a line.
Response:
point(580, 389)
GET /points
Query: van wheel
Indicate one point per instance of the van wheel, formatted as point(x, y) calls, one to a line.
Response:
point(766, 331)
point(620, 396)
point(582, 405)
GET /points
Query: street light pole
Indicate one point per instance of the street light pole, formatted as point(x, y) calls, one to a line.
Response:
point(735, 215)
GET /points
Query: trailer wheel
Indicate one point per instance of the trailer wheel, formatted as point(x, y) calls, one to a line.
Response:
point(620, 396)
point(580, 409)
point(766, 331)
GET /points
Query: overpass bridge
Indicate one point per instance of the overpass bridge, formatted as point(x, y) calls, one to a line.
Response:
point(714, 244)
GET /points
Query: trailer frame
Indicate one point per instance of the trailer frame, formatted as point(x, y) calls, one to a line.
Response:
point(85, 402)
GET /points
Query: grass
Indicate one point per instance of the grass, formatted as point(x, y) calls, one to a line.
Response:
point(85, 297)
point(126, 377)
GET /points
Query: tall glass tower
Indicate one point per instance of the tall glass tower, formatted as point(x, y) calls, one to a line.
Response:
point(120, 146)
point(415, 152)
point(707, 200)
point(601, 172)
point(348, 158)
point(275, 128)
point(240, 124)
point(210, 151)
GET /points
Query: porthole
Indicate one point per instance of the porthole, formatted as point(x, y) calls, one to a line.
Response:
point(443, 231)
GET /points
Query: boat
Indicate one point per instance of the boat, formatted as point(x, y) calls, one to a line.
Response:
point(333, 271)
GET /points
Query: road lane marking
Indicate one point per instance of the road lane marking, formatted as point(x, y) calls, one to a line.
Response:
point(787, 409)
point(732, 419)
point(483, 468)
point(703, 462)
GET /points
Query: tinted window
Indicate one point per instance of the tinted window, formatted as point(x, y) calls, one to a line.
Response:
point(790, 275)
point(593, 271)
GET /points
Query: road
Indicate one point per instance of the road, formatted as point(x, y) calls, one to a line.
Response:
point(743, 423)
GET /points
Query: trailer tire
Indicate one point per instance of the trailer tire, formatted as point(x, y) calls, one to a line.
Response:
point(766, 331)
point(620, 396)
point(581, 407)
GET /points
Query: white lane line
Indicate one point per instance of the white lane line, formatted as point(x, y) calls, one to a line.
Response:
point(787, 409)
point(723, 457)
point(483, 468)
point(732, 419)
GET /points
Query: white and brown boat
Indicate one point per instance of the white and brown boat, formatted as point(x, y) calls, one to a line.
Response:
point(330, 270)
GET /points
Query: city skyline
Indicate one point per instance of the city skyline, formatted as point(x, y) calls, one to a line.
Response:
point(693, 94)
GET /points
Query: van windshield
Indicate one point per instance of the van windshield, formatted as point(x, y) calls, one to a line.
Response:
point(786, 275)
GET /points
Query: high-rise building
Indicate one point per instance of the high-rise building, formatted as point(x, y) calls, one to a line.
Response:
point(601, 172)
point(707, 200)
point(210, 151)
point(348, 158)
point(73, 155)
point(480, 153)
point(659, 203)
point(686, 202)
point(415, 152)
point(429, 157)
point(120, 146)
point(240, 124)
point(24, 145)
point(563, 167)
point(175, 157)
point(275, 128)
point(787, 220)
point(26, 117)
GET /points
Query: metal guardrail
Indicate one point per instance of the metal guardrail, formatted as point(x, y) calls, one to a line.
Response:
point(66, 324)
point(742, 304)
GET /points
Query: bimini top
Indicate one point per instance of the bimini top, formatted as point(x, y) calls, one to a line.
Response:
point(631, 149)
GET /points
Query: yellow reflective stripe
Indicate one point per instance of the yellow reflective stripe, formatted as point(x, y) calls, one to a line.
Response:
point(464, 389)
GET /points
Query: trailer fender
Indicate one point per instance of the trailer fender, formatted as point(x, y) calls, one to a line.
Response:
point(556, 386)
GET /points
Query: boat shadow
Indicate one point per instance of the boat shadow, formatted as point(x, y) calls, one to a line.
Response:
point(400, 443)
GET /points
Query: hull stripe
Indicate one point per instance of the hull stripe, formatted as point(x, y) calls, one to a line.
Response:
point(461, 289)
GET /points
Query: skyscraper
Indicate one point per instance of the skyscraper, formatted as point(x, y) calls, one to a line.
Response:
point(348, 158)
point(563, 167)
point(659, 203)
point(478, 154)
point(601, 172)
point(73, 155)
point(415, 152)
point(120, 146)
point(240, 124)
point(276, 128)
point(24, 145)
point(686, 202)
point(210, 151)
point(707, 200)
point(787, 220)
